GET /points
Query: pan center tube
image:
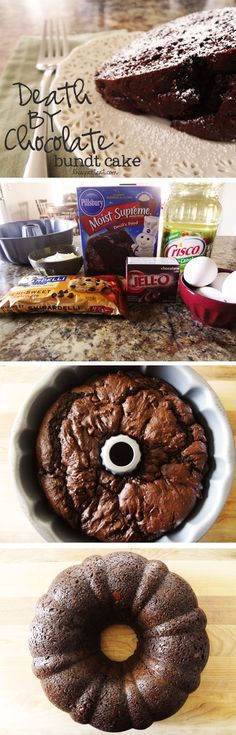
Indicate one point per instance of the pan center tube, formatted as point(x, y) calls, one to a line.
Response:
point(120, 454)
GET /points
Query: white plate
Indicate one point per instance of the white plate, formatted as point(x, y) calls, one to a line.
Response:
point(190, 385)
point(163, 150)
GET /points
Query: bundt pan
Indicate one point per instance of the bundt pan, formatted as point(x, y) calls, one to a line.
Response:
point(16, 245)
point(192, 387)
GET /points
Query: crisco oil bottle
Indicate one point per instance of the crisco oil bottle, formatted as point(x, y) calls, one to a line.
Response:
point(191, 217)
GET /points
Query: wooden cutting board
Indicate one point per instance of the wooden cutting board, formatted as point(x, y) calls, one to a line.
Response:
point(25, 574)
point(16, 380)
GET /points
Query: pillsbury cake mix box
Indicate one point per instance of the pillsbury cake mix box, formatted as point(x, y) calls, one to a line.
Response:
point(117, 222)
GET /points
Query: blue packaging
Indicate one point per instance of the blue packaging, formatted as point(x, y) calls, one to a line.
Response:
point(117, 222)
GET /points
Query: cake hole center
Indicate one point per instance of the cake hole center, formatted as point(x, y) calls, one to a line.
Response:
point(121, 454)
point(118, 642)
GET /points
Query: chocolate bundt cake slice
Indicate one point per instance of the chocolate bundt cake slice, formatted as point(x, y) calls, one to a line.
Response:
point(184, 70)
point(106, 253)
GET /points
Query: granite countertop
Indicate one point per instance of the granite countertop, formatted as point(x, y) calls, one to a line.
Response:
point(154, 332)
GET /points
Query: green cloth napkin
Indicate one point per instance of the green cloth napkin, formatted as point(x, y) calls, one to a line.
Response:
point(21, 68)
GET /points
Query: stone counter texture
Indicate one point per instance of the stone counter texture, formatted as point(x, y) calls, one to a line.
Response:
point(160, 332)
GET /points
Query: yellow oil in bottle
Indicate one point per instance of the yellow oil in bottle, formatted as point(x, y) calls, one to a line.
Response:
point(191, 217)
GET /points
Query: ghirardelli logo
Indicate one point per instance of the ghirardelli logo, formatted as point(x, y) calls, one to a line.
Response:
point(185, 246)
point(138, 281)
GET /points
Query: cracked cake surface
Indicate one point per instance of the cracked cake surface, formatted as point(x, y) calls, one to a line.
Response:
point(119, 588)
point(184, 70)
point(165, 486)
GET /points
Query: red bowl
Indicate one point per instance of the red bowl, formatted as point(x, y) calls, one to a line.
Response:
point(204, 310)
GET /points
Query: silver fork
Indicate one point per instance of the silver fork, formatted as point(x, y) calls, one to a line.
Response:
point(53, 48)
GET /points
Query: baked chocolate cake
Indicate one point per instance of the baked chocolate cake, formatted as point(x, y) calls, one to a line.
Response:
point(144, 503)
point(106, 253)
point(184, 70)
point(172, 644)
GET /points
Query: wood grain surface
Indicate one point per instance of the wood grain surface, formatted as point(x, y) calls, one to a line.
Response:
point(118, 642)
point(25, 574)
point(16, 381)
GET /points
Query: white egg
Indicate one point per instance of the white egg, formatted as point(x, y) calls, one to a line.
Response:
point(210, 293)
point(200, 271)
point(229, 288)
point(219, 280)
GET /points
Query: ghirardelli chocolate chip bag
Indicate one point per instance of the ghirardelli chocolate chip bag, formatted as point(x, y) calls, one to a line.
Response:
point(117, 222)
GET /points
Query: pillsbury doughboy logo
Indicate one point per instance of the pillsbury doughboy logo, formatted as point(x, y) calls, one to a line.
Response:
point(91, 201)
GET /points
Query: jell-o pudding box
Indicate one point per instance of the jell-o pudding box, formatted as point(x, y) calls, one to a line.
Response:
point(152, 279)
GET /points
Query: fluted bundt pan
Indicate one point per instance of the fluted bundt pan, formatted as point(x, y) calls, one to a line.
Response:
point(191, 387)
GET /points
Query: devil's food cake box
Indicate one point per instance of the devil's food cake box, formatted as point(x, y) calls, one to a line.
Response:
point(152, 279)
point(117, 222)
